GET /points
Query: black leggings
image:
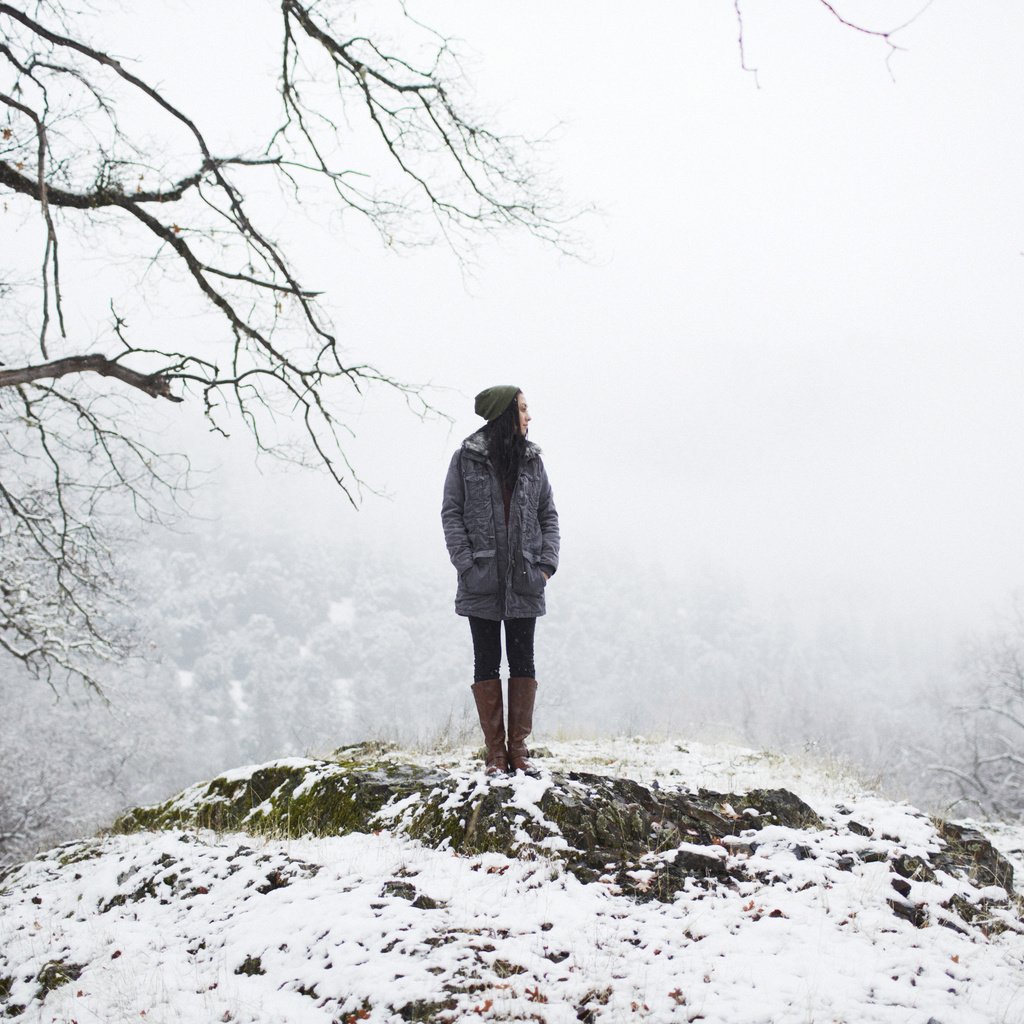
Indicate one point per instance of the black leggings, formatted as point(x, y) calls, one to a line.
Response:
point(487, 647)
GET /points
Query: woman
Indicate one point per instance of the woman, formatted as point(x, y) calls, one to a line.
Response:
point(501, 529)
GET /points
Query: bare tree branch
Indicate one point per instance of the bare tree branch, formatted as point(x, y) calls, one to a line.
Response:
point(885, 35)
point(179, 216)
point(154, 385)
point(742, 45)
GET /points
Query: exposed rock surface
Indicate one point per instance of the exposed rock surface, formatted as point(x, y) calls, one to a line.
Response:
point(647, 840)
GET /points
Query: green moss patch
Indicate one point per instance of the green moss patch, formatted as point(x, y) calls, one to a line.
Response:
point(647, 840)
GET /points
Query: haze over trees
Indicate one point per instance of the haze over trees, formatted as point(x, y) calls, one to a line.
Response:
point(266, 645)
point(985, 775)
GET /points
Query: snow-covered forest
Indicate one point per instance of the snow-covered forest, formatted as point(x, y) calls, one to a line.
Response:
point(265, 645)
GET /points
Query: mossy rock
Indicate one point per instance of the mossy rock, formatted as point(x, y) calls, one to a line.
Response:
point(646, 839)
point(782, 808)
point(56, 973)
point(587, 821)
point(968, 851)
point(914, 868)
point(426, 1011)
point(250, 966)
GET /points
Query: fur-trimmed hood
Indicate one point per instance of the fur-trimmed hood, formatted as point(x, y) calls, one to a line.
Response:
point(476, 444)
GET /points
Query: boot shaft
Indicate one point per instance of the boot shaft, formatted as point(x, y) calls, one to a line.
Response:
point(522, 693)
point(489, 708)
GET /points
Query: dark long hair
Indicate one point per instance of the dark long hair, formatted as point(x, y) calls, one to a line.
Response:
point(506, 446)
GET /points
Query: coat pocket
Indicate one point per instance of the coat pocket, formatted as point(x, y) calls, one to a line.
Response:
point(528, 578)
point(482, 576)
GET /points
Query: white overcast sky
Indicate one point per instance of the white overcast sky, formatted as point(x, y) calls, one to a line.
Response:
point(796, 354)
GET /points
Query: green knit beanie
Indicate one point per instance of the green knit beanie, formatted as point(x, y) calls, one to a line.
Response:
point(492, 402)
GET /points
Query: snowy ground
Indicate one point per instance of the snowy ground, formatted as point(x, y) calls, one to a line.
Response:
point(174, 926)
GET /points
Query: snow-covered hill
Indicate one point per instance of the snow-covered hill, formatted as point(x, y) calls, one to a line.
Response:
point(633, 881)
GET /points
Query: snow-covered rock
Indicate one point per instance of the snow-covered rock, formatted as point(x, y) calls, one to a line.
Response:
point(383, 886)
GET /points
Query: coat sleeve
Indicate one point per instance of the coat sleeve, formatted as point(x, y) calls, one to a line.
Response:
point(453, 504)
point(547, 515)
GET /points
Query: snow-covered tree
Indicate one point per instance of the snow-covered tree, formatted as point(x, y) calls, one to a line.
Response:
point(982, 755)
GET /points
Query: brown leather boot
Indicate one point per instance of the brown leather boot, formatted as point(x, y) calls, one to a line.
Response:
point(521, 694)
point(492, 720)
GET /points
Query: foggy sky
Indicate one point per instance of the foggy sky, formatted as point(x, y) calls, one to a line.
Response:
point(794, 353)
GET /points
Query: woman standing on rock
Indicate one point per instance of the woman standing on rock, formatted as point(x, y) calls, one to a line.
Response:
point(501, 529)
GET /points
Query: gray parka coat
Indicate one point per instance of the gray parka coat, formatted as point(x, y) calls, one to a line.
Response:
point(500, 574)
